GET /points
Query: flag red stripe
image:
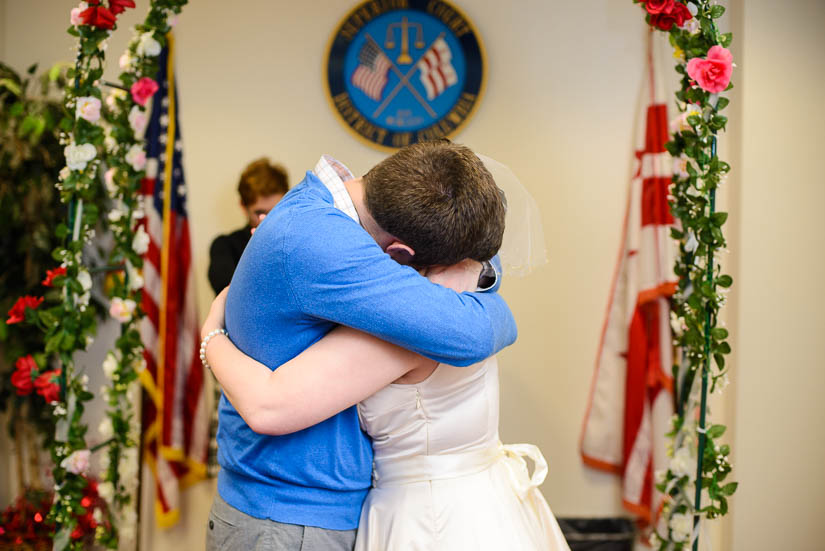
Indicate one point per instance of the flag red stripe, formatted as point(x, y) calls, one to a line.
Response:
point(655, 207)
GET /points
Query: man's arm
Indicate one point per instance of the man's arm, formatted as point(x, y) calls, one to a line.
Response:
point(341, 275)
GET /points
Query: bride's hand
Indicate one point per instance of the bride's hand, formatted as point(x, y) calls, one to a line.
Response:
point(214, 320)
point(458, 277)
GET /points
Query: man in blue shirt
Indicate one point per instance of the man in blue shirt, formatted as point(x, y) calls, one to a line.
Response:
point(310, 266)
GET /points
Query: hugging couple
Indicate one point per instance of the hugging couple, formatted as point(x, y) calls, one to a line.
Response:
point(356, 350)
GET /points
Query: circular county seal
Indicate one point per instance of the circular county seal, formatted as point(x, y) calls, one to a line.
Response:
point(404, 71)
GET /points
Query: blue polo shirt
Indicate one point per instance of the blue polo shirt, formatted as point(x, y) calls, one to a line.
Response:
point(308, 268)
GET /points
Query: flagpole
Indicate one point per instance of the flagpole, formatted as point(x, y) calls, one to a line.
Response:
point(703, 400)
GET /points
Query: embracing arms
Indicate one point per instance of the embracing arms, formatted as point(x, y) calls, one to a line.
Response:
point(340, 370)
point(362, 287)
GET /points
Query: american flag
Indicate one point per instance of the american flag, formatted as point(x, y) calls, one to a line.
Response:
point(436, 69)
point(371, 74)
point(631, 400)
point(175, 416)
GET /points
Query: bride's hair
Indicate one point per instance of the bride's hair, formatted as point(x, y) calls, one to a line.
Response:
point(438, 198)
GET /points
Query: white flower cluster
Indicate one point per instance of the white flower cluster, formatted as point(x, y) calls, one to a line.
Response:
point(78, 156)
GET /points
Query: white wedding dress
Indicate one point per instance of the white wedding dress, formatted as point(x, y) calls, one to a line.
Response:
point(442, 479)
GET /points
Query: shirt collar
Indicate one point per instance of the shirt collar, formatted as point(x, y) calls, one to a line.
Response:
point(333, 174)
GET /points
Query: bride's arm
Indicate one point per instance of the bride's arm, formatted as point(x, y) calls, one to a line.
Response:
point(340, 370)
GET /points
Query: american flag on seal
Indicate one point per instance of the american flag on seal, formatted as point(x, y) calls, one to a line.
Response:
point(371, 74)
point(436, 70)
point(175, 416)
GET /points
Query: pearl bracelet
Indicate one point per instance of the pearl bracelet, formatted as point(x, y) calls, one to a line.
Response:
point(205, 341)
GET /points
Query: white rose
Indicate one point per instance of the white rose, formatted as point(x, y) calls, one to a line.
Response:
point(106, 490)
point(126, 527)
point(64, 173)
point(83, 300)
point(110, 365)
point(135, 278)
point(140, 243)
point(114, 95)
point(128, 467)
point(138, 121)
point(85, 280)
point(681, 526)
point(683, 463)
point(147, 45)
point(109, 181)
point(105, 428)
point(126, 61)
point(115, 214)
point(77, 156)
point(136, 157)
point(692, 243)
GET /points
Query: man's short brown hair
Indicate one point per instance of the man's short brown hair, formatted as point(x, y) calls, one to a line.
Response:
point(261, 178)
point(438, 198)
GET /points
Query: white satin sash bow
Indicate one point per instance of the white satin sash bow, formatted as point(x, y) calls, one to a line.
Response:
point(423, 468)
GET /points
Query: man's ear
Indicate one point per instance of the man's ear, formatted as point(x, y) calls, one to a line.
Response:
point(401, 253)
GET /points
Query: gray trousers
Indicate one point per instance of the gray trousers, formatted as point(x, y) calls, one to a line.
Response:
point(228, 529)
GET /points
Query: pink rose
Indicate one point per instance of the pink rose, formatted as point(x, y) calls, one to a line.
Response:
point(143, 89)
point(121, 309)
point(138, 121)
point(75, 14)
point(712, 74)
point(659, 6)
point(88, 107)
point(77, 462)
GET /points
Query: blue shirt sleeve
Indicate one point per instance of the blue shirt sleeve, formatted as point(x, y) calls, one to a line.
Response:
point(340, 274)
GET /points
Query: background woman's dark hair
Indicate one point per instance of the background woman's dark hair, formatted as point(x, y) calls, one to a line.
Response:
point(261, 178)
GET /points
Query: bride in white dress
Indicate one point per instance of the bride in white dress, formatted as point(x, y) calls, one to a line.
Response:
point(442, 479)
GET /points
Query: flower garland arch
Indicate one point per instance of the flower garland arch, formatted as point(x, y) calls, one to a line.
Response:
point(705, 65)
point(93, 133)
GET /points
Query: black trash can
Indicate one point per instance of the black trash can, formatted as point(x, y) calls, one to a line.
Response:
point(599, 534)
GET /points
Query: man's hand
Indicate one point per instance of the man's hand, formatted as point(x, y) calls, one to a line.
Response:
point(214, 320)
point(458, 277)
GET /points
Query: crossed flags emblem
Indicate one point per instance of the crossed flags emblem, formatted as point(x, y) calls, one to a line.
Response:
point(435, 68)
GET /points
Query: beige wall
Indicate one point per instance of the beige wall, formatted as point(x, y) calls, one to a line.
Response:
point(779, 445)
point(559, 111)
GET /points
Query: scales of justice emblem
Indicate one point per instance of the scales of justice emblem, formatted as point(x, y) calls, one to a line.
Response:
point(404, 71)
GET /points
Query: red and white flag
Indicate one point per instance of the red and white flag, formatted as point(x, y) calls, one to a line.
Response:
point(371, 74)
point(436, 69)
point(631, 398)
point(174, 413)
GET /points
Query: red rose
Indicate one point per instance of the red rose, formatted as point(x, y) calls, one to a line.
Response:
point(659, 6)
point(665, 20)
point(47, 385)
point(119, 6)
point(143, 89)
point(22, 376)
point(98, 16)
point(51, 274)
point(18, 311)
